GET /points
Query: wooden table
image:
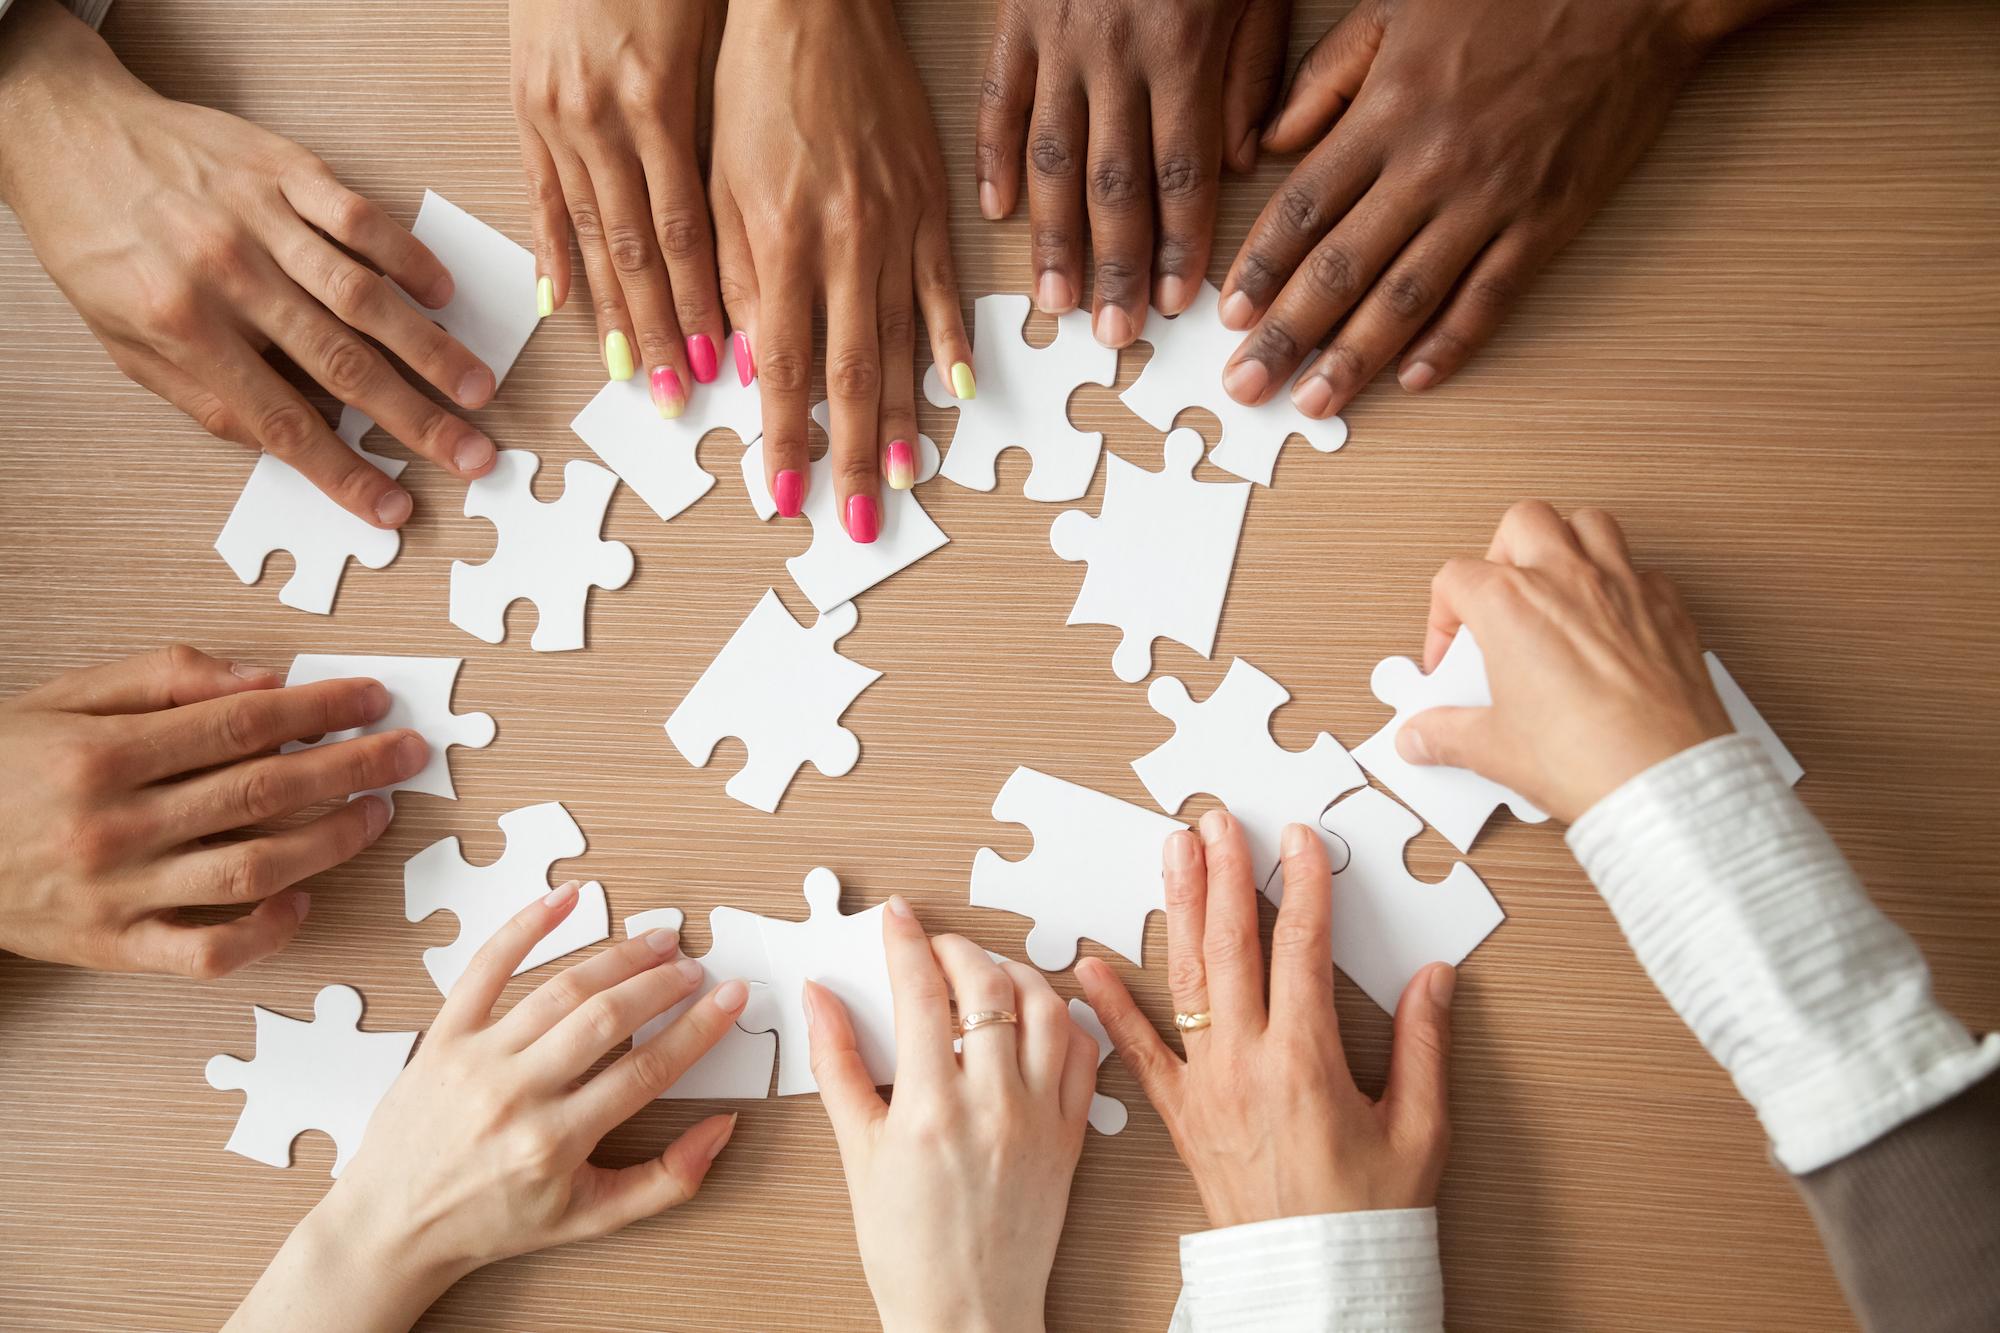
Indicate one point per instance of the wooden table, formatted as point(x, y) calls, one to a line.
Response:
point(1773, 355)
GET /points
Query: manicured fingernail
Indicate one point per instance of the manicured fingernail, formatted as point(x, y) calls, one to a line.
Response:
point(1213, 825)
point(1313, 395)
point(374, 816)
point(1237, 312)
point(561, 894)
point(473, 453)
point(864, 518)
point(721, 1141)
point(663, 942)
point(248, 672)
point(731, 995)
point(476, 387)
point(1246, 380)
point(1444, 980)
point(701, 357)
point(1297, 838)
point(393, 508)
point(1114, 327)
point(667, 394)
point(899, 466)
point(810, 1004)
point(1181, 846)
point(1417, 376)
point(545, 297)
point(690, 971)
point(1172, 296)
point(1054, 294)
point(1410, 744)
point(962, 387)
point(790, 492)
point(412, 753)
point(900, 905)
point(618, 355)
point(746, 364)
point(989, 201)
point(302, 903)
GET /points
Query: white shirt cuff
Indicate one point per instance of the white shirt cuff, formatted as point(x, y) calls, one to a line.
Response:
point(1366, 1272)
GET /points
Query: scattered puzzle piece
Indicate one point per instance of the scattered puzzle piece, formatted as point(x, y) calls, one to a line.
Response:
point(279, 510)
point(1189, 352)
point(1094, 872)
point(1107, 1114)
point(550, 554)
point(1023, 401)
point(485, 898)
point(740, 1064)
point(1160, 553)
point(655, 456)
point(326, 1075)
point(419, 700)
point(779, 689)
point(1223, 746)
point(845, 955)
point(1743, 715)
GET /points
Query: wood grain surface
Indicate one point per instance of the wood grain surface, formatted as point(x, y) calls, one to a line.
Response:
point(1773, 355)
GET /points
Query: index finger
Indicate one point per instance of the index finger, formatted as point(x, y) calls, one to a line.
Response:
point(470, 1004)
point(923, 1006)
point(1231, 953)
point(1302, 941)
point(236, 726)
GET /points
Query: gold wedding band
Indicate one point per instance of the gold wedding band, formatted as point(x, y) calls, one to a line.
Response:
point(1190, 1022)
point(985, 1017)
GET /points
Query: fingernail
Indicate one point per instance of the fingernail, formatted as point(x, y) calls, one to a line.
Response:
point(441, 293)
point(248, 672)
point(667, 395)
point(811, 1007)
point(864, 518)
point(731, 995)
point(374, 701)
point(1114, 327)
point(789, 492)
point(1172, 296)
point(701, 357)
point(721, 1141)
point(900, 905)
point(302, 903)
point(1418, 376)
point(1053, 294)
point(411, 755)
point(618, 355)
point(746, 364)
point(663, 942)
point(473, 453)
point(900, 466)
point(1444, 980)
point(1213, 825)
point(1297, 839)
point(393, 508)
point(476, 387)
point(989, 201)
point(1237, 312)
point(1180, 850)
point(1246, 151)
point(561, 894)
point(1313, 395)
point(1245, 381)
point(545, 297)
point(374, 816)
point(962, 386)
point(690, 971)
point(1410, 744)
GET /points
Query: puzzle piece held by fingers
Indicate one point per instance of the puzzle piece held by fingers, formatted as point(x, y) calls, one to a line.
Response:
point(739, 1065)
point(845, 954)
point(655, 455)
point(419, 700)
point(1107, 1114)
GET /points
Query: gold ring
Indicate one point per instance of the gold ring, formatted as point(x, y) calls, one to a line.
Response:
point(1190, 1022)
point(984, 1017)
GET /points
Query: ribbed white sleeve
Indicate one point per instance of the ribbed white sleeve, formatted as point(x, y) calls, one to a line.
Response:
point(1370, 1272)
point(90, 11)
point(1758, 933)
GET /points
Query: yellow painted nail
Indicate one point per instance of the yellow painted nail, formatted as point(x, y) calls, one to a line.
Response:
point(618, 355)
point(545, 297)
point(961, 381)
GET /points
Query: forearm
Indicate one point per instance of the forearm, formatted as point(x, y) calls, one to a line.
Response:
point(45, 53)
point(331, 1277)
point(1376, 1271)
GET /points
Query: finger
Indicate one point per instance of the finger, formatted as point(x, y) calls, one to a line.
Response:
point(1251, 78)
point(783, 337)
point(170, 677)
point(1187, 153)
point(1454, 738)
point(736, 277)
point(364, 228)
point(1329, 78)
point(1186, 879)
point(1486, 294)
point(607, 298)
point(470, 1003)
point(1120, 206)
point(282, 784)
point(1419, 1078)
point(1315, 197)
point(1302, 940)
point(922, 1004)
point(561, 995)
point(1045, 1031)
point(937, 294)
point(1232, 957)
point(550, 220)
point(1077, 1083)
point(145, 368)
point(615, 1199)
point(854, 392)
point(895, 334)
point(1602, 540)
point(632, 245)
point(254, 869)
point(205, 953)
point(656, 1064)
point(218, 731)
point(1133, 1036)
point(845, 1086)
point(610, 1016)
point(1456, 586)
point(1055, 191)
point(1005, 98)
point(681, 225)
point(990, 1053)
point(1533, 535)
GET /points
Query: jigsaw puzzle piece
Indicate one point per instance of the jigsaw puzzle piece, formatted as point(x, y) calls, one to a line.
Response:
point(326, 1075)
point(656, 456)
point(780, 689)
point(1107, 1114)
point(1189, 351)
point(1387, 924)
point(279, 510)
point(1159, 554)
point(419, 700)
point(1743, 715)
point(740, 1064)
point(1023, 401)
point(485, 898)
point(844, 954)
point(550, 554)
point(1094, 872)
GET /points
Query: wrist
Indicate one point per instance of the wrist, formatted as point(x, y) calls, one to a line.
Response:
point(50, 63)
point(342, 1228)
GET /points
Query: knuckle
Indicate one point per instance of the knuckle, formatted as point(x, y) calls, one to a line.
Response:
point(1052, 241)
point(1176, 254)
point(631, 249)
point(1343, 364)
point(248, 874)
point(1293, 936)
point(1118, 282)
point(1185, 975)
point(1331, 273)
point(351, 213)
point(260, 793)
point(350, 289)
point(1181, 177)
point(1300, 211)
point(853, 374)
point(93, 845)
point(651, 1067)
point(895, 325)
point(201, 957)
point(584, 102)
point(783, 369)
point(287, 429)
point(1407, 293)
point(1114, 185)
point(598, 1020)
point(347, 364)
point(1492, 293)
point(1276, 344)
point(587, 224)
point(683, 234)
point(173, 309)
point(1258, 276)
point(1051, 156)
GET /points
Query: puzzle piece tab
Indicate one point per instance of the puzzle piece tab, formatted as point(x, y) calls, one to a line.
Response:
point(845, 955)
point(740, 1064)
point(279, 510)
point(1107, 1114)
point(419, 700)
point(655, 456)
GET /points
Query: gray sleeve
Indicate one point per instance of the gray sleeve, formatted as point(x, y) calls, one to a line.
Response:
point(90, 11)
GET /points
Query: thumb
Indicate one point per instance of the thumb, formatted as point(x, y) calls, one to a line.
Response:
point(1328, 78)
point(844, 1084)
point(1251, 78)
point(1419, 1083)
point(1454, 738)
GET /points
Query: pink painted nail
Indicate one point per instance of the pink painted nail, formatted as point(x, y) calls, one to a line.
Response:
point(790, 492)
point(668, 395)
point(701, 358)
point(864, 518)
point(746, 364)
point(899, 467)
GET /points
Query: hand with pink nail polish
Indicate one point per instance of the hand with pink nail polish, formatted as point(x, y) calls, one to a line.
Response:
point(481, 1150)
point(117, 782)
point(828, 184)
point(192, 242)
point(1124, 112)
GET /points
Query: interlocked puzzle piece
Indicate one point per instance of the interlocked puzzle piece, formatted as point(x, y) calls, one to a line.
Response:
point(485, 898)
point(779, 689)
point(740, 1064)
point(326, 1075)
point(1160, 553)
point(656, 456)
point(1223, 746)
point(550, 554)
point(1023, 401)
point(419, 700)
point(845, 955)
point(1189, 352)
point(1094, 871)
point(1387, 924)
point(835, 568)
point(1107, 1114)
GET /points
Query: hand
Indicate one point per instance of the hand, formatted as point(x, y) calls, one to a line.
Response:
point(605, 94)
point(1123, 108)
point(1456, 148)
point(961, 1180)
point(481, 1149)
point(1596, 669)
point(113, 781)
point(1263, 1109)
point(828, 184)
point(191, 242)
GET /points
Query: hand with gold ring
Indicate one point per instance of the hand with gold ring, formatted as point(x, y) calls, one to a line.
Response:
point(1263, 1109)
point(961, 1180)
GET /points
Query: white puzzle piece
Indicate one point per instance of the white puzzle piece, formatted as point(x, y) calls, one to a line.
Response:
point(279, 510)
point(844, 954)
point(550, 554)
point(1743, 715)
point(485, 898)
point(1223, 746)
point(1189, 352)
point(1160, 553)
point(1094, 872)
point(836, 568)
point(739, 1065)
point(419, 700)
point(1023, 401)
point(1107, 1114)
point(326, 1075)
point(779, 689)
point(655, 456)
point(1387, 924)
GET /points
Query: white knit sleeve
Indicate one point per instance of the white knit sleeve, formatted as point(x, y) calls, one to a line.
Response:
point(1367, 1272)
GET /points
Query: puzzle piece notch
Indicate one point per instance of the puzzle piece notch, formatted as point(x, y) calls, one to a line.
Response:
point(485, 898)
point(656, 456)
point(1159, 554)
point(740, 1064)
point(1023, 401)
point(780, 689)
point(1223, 746)
point(279, 510)
point(326, 1075)
point(1189, 351)
point(420, 690)
point(1094, 871)
point(550, 554)
point(844, 954)
point(1107, 1114)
